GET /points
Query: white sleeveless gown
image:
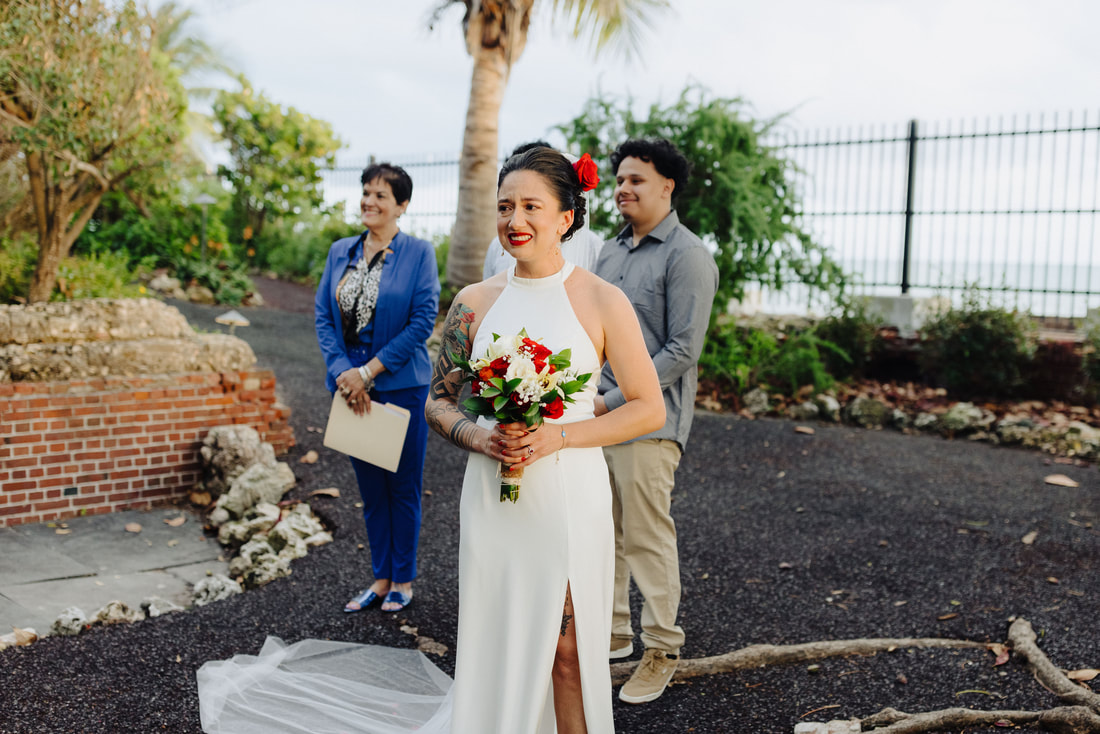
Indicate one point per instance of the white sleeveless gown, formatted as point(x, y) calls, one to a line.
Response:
point(515, 561)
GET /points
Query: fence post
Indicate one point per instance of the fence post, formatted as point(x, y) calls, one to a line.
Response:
point(909, 186)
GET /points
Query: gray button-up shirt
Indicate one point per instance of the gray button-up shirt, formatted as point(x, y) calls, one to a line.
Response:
point(670, 277)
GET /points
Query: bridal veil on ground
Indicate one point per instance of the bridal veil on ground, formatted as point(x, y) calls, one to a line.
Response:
point(324, 687)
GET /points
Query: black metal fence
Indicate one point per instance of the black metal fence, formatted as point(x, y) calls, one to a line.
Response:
point(1007, 206)
point(432, 209)
point(1010, 206)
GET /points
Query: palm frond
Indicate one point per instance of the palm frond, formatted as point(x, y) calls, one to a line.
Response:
point(611, 23)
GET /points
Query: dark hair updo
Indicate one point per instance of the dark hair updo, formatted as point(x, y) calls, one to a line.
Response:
point(559, 175)
point(400, 183)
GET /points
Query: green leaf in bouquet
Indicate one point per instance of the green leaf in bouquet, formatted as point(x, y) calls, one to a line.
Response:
point(477, 405)
point(489, 391)
point(499, 402)
point(511, 385)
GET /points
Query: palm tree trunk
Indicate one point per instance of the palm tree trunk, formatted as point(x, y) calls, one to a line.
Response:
point(475, 225)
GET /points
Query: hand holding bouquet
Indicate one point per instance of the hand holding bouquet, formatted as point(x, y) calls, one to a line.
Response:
point(518, 379)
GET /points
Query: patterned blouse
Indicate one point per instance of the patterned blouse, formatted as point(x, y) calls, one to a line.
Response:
point(358, 295)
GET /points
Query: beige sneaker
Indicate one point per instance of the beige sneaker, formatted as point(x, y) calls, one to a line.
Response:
point(621, 648)
point(650, 678)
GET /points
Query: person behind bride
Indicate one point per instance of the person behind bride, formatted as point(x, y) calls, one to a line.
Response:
point(535, 576)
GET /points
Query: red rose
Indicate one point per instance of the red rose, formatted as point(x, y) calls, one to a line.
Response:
point(587, 172)
point(539, 364)
point(536, 350)
point(499, 366)
point(486, 374)
point(554, 408)
point(475, 386)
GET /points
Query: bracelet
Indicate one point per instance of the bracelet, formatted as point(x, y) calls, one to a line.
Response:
point(368, 378)
point(562, 438)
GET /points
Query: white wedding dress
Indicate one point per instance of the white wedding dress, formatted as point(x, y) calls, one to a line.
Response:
point(515, 562)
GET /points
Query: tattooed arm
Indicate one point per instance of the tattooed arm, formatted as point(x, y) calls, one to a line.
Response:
point(441, 409)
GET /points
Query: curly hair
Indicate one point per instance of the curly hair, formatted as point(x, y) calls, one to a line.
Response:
point(665, 157)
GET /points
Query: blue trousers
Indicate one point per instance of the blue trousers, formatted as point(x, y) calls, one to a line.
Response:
point(391, 500)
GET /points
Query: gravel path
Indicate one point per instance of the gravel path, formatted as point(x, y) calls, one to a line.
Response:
point(784, 538)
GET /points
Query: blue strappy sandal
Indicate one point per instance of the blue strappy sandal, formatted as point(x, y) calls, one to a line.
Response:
point(396, 597)
point(364, 599)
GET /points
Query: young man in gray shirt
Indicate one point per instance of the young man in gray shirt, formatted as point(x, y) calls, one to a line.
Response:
point(671, 278)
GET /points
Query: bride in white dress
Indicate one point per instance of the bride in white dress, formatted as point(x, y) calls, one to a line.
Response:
point(536, 576)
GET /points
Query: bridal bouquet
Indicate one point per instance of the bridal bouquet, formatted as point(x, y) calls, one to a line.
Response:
point(518, 379)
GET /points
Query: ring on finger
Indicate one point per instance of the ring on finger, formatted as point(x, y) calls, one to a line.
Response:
point(530, 451)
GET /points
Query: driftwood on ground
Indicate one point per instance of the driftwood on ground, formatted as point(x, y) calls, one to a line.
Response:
point(1080, 716)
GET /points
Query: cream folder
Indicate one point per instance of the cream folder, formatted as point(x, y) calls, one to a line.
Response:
point(375, 437)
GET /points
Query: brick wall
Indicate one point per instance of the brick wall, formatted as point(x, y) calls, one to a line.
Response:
point(100, 445)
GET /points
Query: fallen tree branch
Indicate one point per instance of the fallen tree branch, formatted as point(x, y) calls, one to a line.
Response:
point(1021, 636)
point(756, 656)
point(1061, 720)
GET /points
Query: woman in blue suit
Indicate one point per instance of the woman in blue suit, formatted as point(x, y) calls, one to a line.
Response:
point(376, 306)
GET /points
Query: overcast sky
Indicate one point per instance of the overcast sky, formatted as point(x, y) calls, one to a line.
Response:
point(391, 87)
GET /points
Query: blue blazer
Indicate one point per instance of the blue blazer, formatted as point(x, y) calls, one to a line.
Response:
point(408, 303)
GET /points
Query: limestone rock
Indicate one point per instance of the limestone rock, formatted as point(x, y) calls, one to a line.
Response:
point(232, 532)
point(117, 612)
point(222, 353)
point(258, 483)
point(265, 570)
point(322, 538)
point(302, 519)
point(92, 320)
point(227, 451)
point(899, 419)
point(755, 401)
point(155, 606)
point(70, 622)
point(867, 412)
point(803, 411)
point(925, 421)
point(256, 548)
point(286, 542)
point(214, 588)
point(828, 408)
point(961, 417)
point(200, 294)
point(167, 285)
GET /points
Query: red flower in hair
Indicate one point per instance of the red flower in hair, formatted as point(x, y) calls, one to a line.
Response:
point(587, 172)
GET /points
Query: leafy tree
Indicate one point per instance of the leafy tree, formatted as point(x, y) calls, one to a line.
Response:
point(277, 153)
point(90, 102)
point(496, 33)
point(740, 198)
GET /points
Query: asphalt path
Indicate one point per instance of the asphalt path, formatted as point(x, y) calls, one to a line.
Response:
point(784, 538)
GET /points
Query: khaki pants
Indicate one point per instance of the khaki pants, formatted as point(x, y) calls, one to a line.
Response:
point(642, 477)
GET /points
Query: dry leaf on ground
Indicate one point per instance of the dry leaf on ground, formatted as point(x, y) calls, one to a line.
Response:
point(62, 531)
point(1083, 675)
point(1001, 652)
point(310, 457)
point(1030, 537)
point(804, 429)
point(202, 499)
point(945, 617)
point(1060, 480)
point(326, 492)
point(23, 637)
point(133, 527)
point(175, 522)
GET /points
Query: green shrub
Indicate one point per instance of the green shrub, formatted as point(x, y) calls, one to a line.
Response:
point(106, 275)
point(855, 333)
point(229, 283)
point(977, 349)
point(296, 248)
point(1090, 361)
point(18, 256)
point(744, 358)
